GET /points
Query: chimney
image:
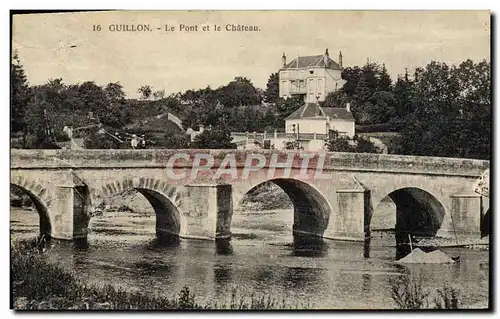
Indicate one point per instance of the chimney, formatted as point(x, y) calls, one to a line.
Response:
point(325, 58)
point(340, 58)
point(283, 59)
point(348, 107)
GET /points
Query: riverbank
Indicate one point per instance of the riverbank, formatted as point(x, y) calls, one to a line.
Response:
point(40, 285)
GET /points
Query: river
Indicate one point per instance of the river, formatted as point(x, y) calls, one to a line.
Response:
point(260, 259)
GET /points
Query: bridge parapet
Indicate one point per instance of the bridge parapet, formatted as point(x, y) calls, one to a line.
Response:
point(160, 158)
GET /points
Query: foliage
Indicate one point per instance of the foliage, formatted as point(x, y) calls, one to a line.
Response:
point(364, 145)
point(271, 94)
point(338, 98)
point(452, 112)
point(339, 144)
point(439, 110)
point(145, 91)
point(217, 138)
point(174, 141)
point(239, 92)
point(101, 140)
point(159, 94)
point(20, 95)
point(447, 298)
point(285, 107)
point(342, 144)
point(407, 293)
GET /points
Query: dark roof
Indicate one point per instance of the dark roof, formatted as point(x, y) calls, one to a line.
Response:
point(338, 113)
point(312, 61)
point(313, 110)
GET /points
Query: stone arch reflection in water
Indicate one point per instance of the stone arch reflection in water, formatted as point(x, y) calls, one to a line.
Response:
point(409, 214)
point(166, 213)
point(311, 214)
point(311, 209)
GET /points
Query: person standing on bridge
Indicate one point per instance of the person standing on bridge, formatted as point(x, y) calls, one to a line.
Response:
point(134, 142)
point(143, 141)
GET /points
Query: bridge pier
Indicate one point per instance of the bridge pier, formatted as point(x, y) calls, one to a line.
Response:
point(209, 212)
point(352, 215)
point(70, 213)
point(466, 212)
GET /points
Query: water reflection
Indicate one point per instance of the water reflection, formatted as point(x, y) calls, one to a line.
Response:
point(223, 247)
point(367, 282)
point(164, 240)
point(307, 270)
point(309, 246)
point(81, 243)
point(265, 275)
point(299, 278)
point(222, 274)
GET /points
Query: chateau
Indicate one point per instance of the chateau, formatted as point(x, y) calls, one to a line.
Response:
point(311, 77)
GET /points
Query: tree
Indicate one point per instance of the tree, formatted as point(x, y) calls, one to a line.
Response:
point(145, 91)
point(286, 107)
point(452, 116)
point(363, 92)
point(384, 80)
point(175, 141)
point(239, 92)
point(114, 92)
point(351, 75)
point(339, 144)
point(213, 139)
point(115, 98)
point(364, 145)
point(383, 108)
point(159, 95)
point(20, 95)
point(271, 94)
point(336, 99)
point(404, 95)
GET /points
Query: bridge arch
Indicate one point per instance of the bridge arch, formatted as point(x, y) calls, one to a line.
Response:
point(166, 201)
point(311, 209)
point(415, 213)
point(39, 197)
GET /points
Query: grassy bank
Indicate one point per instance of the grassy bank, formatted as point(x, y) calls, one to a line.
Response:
point(40, 285)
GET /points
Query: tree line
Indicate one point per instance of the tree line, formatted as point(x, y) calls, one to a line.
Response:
point(438, 110)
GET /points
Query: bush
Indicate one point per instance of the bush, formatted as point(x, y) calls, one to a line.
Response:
point(407, 293)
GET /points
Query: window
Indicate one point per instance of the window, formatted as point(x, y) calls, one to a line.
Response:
point(284, 87)
point(311, 72)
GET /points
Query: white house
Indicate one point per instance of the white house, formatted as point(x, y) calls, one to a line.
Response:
point(312, 118)
point(311, 77)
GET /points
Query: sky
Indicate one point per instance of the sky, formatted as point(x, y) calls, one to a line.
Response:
point(65, 45)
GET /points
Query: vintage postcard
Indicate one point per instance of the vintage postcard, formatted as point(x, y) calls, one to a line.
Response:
point(250, 160)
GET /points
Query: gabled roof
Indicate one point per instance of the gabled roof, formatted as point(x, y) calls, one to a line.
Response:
point(313, 110)
point(312, 61)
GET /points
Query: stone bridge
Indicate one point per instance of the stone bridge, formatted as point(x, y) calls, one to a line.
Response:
point(335, 196)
